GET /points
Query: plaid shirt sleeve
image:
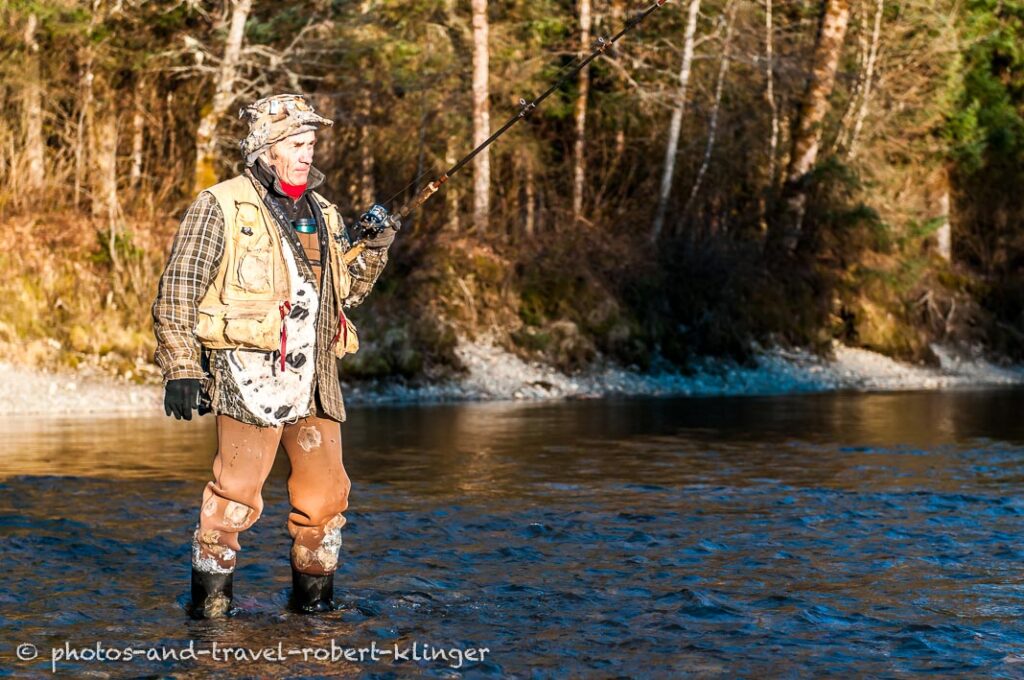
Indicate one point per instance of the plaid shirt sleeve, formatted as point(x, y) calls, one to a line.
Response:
point(365, 270)
point(194, 261)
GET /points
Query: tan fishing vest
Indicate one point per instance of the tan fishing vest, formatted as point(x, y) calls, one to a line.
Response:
point(248, 299)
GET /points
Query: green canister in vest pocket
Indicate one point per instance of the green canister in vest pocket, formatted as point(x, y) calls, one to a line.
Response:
point(306, 225)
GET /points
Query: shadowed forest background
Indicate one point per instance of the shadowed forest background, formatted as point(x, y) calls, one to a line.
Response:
point(733, 174)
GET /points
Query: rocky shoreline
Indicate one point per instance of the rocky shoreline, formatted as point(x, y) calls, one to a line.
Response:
point(495, 374)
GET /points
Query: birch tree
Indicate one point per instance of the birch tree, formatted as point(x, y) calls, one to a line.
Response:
point(33, 108)
point(618, 13)
point(530, 219)
point(85, 98)
point(367, 185)
point(138, 137)
point(769, 90)
point(676, 124)
point(103, 173)
point(869, 74)
point(579, 160)
point(224, 95)
point(481, 117)
point(723, 69)
point(807, 128)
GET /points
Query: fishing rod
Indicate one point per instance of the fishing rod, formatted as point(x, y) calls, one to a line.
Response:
point(377, 219)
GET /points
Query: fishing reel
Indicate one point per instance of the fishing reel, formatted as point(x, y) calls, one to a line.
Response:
point(375, 222)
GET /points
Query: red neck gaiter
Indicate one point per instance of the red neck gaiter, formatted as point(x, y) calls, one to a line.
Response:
point(293, 190)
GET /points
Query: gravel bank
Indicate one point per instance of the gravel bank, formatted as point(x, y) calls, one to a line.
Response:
point(494, 374)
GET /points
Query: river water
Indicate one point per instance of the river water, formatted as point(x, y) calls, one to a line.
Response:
point(811, 535)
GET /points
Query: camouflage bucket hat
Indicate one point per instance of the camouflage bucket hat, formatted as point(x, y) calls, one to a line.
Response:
point(271, 119)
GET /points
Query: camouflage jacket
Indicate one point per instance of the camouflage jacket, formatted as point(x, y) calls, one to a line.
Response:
point(194, 261)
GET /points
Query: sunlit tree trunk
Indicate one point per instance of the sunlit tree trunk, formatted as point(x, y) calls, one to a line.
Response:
point(103, 173)
point(944, 234)
point(579, 160)
point(618, 15)
point(224, 95)
point(769, 96)
point(33, 108)
point(530, 189)
point(807, 127)
point(769, 90)
point(481, 117)
point(723, 69)
point(367, 185)
point(138, 137)
point(453, 195)
point(85, 105)
point(676, 124)
point(869, 75)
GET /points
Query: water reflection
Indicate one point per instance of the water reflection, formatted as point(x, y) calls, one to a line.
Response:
point(821, 534)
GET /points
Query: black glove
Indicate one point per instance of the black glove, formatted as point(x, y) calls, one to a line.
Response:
point(183, 395)
point(376, 227)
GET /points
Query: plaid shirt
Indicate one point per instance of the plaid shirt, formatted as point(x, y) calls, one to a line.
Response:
point(194, 261)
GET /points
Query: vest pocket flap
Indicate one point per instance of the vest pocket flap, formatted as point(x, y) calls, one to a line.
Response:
point(247, 215)
point(238, 326)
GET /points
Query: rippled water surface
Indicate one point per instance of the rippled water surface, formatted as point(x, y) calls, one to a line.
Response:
point(797, 536)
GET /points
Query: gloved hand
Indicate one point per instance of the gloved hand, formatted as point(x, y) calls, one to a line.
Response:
point(376, 227)
point(183, 395)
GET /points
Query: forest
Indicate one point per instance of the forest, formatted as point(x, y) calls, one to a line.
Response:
point(732, 175)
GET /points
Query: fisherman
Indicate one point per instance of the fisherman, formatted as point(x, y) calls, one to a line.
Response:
point(250, 321)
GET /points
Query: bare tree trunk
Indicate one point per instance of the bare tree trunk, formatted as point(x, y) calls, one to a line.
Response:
point(769, 95)
point(138, 138)
point(579, 161)
point(845, 125)
point(869, 74)
point(172, 137)
point(944, 234)
point(481, 117)
point(453, 195)
point(531, 197)
point(769, 92)
point(807, 128)
point(33, 109)
point(676, 125)
point(367, 185)
point(618, 17)
point(945, 231)
point(723, 69)
point(103, 175)
point(367, 162)
point(85, 106)
point(224, 95)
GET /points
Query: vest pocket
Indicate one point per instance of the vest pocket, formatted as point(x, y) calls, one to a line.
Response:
point(347, 340)
point(252, 271)
point(237, 326)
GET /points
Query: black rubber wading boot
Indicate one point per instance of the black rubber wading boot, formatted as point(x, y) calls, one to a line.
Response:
point(312, 594)
point(211, 595)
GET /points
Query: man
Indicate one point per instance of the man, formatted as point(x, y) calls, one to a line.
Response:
point(250, 321)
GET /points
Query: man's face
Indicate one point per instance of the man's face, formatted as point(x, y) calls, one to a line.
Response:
point(292, 157)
